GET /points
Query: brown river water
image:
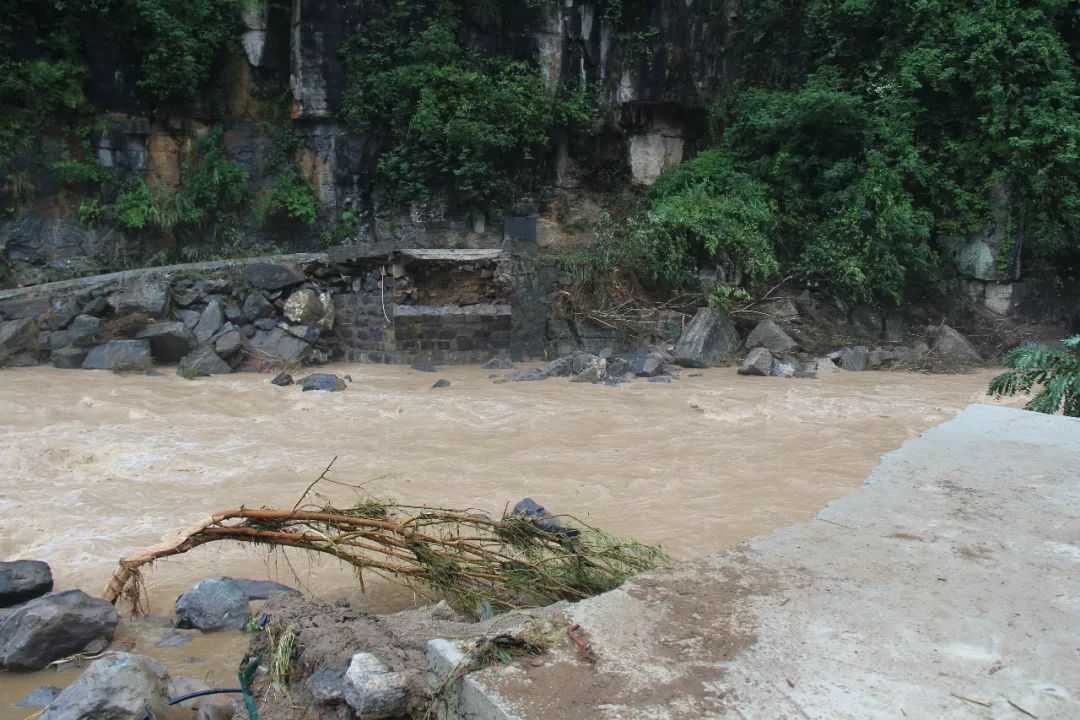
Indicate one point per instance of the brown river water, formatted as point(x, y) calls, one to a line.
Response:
point(94, 465)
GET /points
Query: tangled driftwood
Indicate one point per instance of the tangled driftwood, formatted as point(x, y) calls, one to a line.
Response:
point(467, 557)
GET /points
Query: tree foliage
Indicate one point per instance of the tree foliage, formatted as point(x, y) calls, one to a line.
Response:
point(1055, 372)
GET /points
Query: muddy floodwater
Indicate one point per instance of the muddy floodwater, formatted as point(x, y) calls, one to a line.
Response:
point(94, 465)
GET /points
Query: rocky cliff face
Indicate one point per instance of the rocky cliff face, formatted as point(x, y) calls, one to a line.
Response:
point(652, 71)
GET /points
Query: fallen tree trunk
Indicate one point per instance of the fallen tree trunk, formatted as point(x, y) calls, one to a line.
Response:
point(466, 557)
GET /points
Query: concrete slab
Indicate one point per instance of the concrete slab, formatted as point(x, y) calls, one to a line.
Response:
point(948, 588)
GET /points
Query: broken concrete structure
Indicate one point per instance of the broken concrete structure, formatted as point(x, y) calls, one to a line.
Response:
point(948, 588)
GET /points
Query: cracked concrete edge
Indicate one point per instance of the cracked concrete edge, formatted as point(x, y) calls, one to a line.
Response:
point(462, 699)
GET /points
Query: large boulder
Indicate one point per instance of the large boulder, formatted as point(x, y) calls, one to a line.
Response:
point(261, 589)
point(216, 603)
point(758, 362)
point(120, 686)
point(304, 307)
point(202, 361)
point(210, 321)
point(169, 341)
point(83, 326)
point(146, 295)
point(23, 580)
point(710, 340)
point(372, 690)
point(951, 347)
point(854, 358)
point(228, 343)
point(54, 626)
point(322, 381)
point(648, 364)
point(69, 358)
point(272, 276)
point(119, 355)
point(39, 696)
point(769, 335)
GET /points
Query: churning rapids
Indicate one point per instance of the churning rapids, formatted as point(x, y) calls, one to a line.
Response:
point(95, 465)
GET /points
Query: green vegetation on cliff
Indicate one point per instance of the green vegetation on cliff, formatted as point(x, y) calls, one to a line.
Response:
point(877, 135)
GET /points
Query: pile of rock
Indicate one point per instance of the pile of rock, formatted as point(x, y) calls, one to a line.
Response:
point(271, 313)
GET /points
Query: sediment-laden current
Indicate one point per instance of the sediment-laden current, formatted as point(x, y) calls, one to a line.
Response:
point(94, 465)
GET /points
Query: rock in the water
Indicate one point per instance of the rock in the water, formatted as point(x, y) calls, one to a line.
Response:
point(282, 379)
point(228, 343)
point(322, 381)
point(523, 375)
point(54, 626)
point(23, 580)
point(40, 697)
point(951, 347)
point(174, 640)
point(68, 358)
point(372, 690)
point(119, 355)
point(256, 306)
point(784, 368)
point(854, 359)
point(261, 589)
point(146, 295)
point(539, 516)
point(424, 366)
point(169, 341)
point(758, 362)
point(648, 365)
point(709, 340)
point(559, 367)
point(121, 686)
point(272, 276)
point(203, 361)
point(889, 357)
point(498, 363)
point(769, 335)
point(303, 307)
point(595, 371)
point(441, 383)
point(216, 603)
point(210, 321)
point(824, 366)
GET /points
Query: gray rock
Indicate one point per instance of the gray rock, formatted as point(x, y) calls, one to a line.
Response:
point(69, 358)
point(559, 367)
point(119, 355)
point(780, 308)
point(190, 318)
point(327, 685)
point(60, 314)
point(261, 589)
point(524, 376)
point(709, 340)
point(869, 320)
point(594, 372)
point(233, 312)
point(648, 365)
point(122, 686)
point(97, 307)
point(83, 326)
point(16, 335)
point(272, 276)
point(202, 361)
point(186, 298)
point(951, 347)
point(783, 368)
point(661, 379)
point(769, 335)
point(210, 321)
point(228, 343)
point(40, 697)
point(169, 341)
point(173, 640)
point(372, 690)
point(265, 324)
point(322, 381)
point(146, 295)
point(282, 379)
point(24, 580)
point(54, 626)
point(307, 333)
point(854, 359)
point(214, 286)
point(154, 373)
point(889, 357)
point(758, 362)
point(256, 306)
point(303, 307)
point(216, 603)
point(276, 344)
point(894, 327)
point(498, 363)
point(441, 383)
point(824, 366)
point(424, 366)
point(617, 367)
